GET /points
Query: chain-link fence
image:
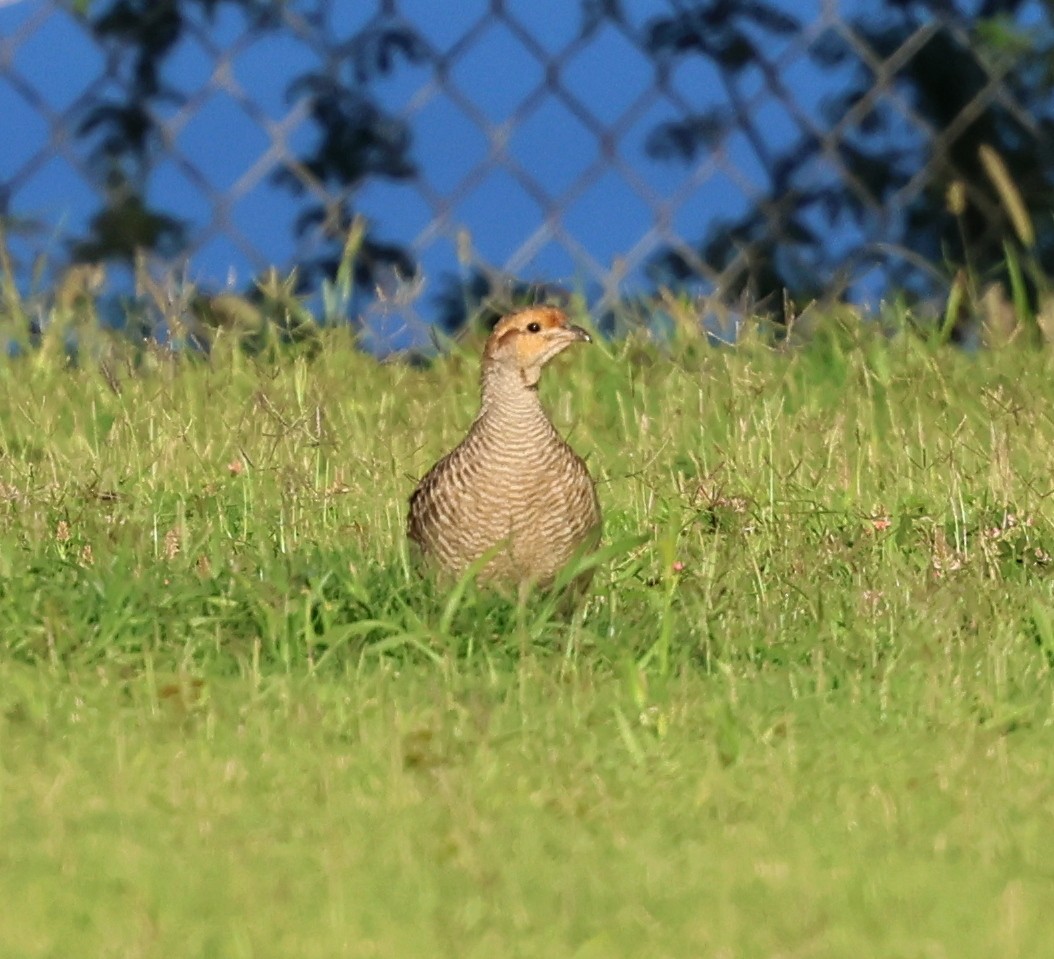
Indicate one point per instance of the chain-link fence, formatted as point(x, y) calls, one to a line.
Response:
point(757, 151)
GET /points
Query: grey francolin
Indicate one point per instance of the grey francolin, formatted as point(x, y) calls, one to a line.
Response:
point(512, 489)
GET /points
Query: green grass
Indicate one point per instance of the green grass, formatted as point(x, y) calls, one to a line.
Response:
point(806, 712)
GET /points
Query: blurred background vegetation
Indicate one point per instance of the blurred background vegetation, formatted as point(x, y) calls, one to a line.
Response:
point(916, 169)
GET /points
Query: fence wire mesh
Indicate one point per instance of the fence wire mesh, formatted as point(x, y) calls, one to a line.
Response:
point(747, 150)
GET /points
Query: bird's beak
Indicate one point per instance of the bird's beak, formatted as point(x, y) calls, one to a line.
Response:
point(580, 334)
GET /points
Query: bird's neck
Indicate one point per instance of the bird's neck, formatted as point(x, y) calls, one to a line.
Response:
point(505, 395)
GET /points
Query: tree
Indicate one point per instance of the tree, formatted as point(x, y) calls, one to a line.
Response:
point(125, 137)
point(356, 137)
point(930, 86)
point(356, 140)
point(976, 85)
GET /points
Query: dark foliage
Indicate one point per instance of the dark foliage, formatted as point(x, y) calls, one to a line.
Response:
point(922, 86)
point(356, 138)
point(931, 82)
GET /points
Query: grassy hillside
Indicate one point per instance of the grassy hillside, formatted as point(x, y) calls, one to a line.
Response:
point(807, 711)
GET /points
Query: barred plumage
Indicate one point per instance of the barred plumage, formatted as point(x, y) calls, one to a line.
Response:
point(512, 488)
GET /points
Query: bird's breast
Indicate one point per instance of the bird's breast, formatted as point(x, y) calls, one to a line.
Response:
point(520, 491)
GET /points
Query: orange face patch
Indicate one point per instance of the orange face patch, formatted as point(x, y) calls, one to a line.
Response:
point(547, 317)
point(529, 336)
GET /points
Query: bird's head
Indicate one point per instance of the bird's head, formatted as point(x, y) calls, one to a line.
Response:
point(524, 342)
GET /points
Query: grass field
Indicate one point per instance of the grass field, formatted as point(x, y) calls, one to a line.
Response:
point(806, 713)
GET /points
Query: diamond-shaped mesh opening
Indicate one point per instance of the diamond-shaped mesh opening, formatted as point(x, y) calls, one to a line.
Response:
point(498, 213)
point(254, 216)
point(498, 63)
point(398, 208)
point(57, 194)
point(696, 82)
point(221, 142)
point(588, 218)
point(719, 198)
point(172, 188)
point(34, 62)
point(258, 81)
point(609, 75)
point(635, 148)
point(191, 62)
point(554, 147)
point(443, 132)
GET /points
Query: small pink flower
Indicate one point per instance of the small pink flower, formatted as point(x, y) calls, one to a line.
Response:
point(880, 524)
point(678, 566)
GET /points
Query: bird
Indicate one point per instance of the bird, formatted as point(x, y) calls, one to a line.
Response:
point(512, 494)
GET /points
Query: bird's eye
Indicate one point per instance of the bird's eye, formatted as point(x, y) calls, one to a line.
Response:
point(534, 327)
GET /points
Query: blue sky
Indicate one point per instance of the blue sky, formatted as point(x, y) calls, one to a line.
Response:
point(221, 134)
